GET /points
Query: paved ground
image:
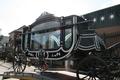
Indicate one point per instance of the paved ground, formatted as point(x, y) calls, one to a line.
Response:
point(7, 67)
point(4, 67)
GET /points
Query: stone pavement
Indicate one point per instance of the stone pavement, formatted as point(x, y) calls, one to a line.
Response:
point(7, 67)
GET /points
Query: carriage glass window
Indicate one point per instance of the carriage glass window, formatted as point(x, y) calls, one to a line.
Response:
point(47, 40)
point(68, 38)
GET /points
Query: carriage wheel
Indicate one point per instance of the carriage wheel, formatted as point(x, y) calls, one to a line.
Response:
point(92, 68)
point(19, 63)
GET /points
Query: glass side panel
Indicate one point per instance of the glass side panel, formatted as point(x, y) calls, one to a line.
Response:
point(48, 40)
point(68, 38)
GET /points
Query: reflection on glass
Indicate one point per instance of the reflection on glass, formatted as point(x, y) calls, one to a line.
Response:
point(48, 40)
point(68, 38)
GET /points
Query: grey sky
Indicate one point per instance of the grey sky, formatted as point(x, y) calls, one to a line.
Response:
point(16, 13)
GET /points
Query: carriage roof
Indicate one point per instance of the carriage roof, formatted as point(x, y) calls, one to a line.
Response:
point(40, 23)
point(48, 21)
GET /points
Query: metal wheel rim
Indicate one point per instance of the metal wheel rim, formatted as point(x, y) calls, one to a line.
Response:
point(96, 75)
point(19, 63)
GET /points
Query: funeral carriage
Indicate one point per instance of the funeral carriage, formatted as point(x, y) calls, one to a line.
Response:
point(58, 38)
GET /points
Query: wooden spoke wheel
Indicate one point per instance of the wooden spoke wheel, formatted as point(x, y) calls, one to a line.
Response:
point(19, 63)
point(92, 68)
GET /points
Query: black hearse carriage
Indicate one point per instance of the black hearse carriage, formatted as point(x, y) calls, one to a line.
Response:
point(58, 38)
